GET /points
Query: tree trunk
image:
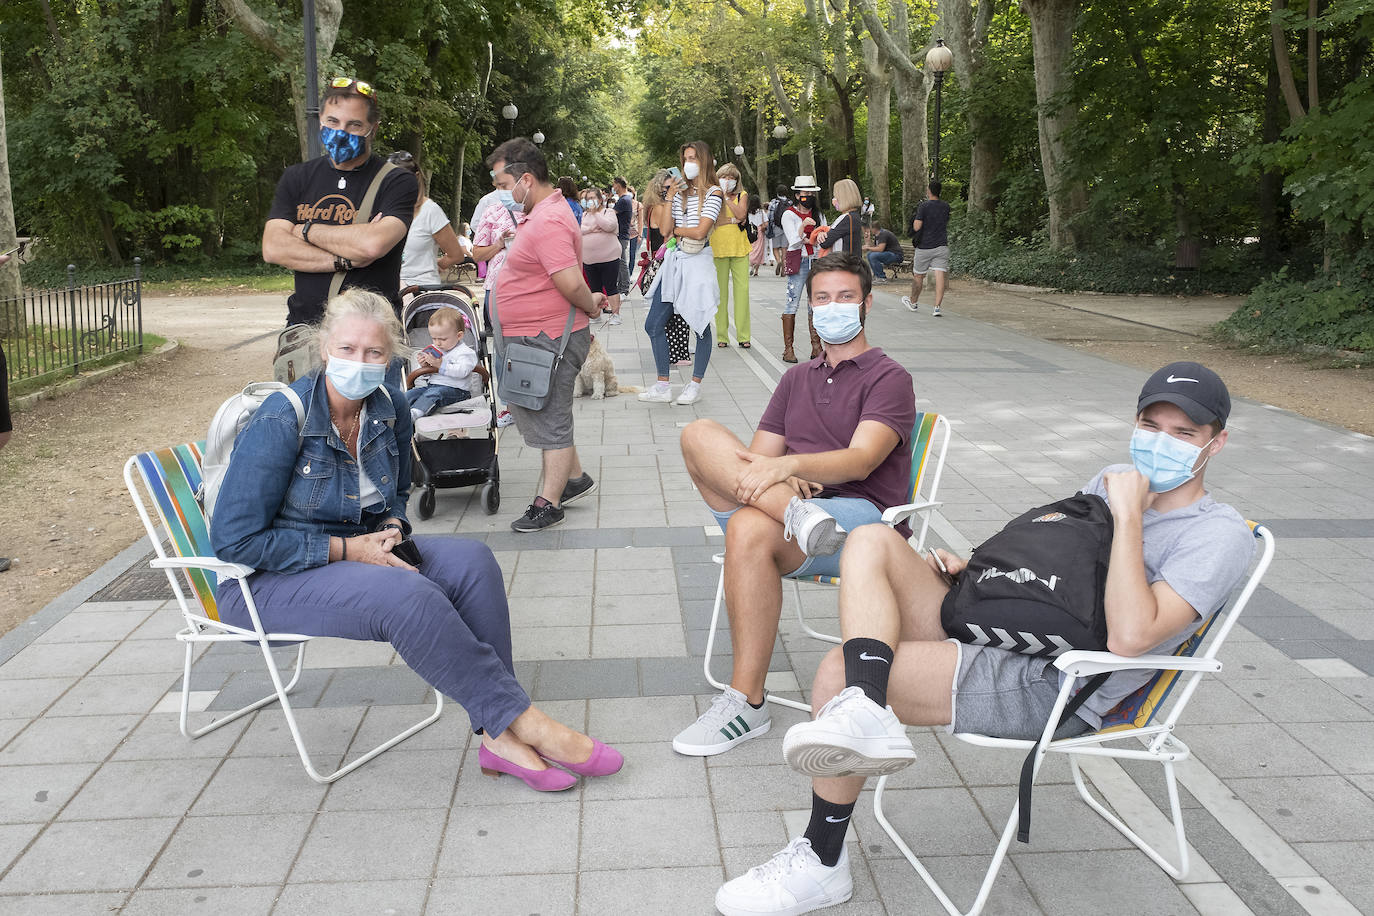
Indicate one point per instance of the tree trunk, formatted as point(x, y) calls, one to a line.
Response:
point(879, 85)
point(765, 193)
point(1270, 196)
point(912, 92)
point(967, 35)
point(12, 312)
point(290, 49)
point(1052, 24)
point(1283, 63)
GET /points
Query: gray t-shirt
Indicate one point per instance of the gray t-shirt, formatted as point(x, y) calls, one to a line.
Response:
point(1202, 550)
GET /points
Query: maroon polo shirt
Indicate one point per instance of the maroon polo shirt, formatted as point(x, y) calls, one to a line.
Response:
point(816, 408)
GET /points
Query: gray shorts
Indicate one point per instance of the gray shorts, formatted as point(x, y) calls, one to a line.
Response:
point(925, 259)
point(552, 427)
point(1006, 695)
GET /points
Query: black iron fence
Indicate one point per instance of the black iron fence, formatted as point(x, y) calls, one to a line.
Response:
point(57, 331)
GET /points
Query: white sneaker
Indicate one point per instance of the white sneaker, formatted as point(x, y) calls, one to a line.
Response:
point(791, 883)
point(729, 721)
point(660, 392)
point(614, 320)
point(935, 312)
point(817, 532)
point(691, 393)
point(851, 736)
point(906, 300)
point(504, 419)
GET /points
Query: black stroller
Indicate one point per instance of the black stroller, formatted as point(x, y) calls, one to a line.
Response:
point(455, 446)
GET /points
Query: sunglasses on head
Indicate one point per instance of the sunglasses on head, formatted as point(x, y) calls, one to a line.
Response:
point(346, 82)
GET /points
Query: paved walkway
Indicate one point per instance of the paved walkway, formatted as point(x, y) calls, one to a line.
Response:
point(104, 807)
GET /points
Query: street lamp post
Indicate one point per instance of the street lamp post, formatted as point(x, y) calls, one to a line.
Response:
point(312, 81)
point(510, 113)
point(938, 61)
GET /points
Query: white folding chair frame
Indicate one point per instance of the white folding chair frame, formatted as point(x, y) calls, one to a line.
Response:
point(1160, 742)
point(202, 629)
point(891, 517)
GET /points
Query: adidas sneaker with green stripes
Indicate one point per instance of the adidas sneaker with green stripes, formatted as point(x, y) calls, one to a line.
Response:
point(729, 721)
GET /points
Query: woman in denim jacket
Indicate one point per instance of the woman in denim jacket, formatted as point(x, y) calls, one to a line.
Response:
point(317, 511)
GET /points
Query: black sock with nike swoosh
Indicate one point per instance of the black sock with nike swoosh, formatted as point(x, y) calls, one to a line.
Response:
point(829, 822)
point(867, 663)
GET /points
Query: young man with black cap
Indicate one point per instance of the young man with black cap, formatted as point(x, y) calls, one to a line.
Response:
point(1176, 555)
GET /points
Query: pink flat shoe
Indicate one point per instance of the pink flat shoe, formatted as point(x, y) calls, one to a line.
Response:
point(550, 780)
point(603, 762)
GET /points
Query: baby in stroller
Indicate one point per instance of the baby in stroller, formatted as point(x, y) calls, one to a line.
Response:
point(445, 365)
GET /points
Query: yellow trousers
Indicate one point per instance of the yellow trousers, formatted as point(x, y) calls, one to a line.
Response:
point(739, 269)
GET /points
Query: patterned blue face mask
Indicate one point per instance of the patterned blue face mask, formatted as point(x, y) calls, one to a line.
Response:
point(1165, 461)
point(352, 379)
point(340, 145)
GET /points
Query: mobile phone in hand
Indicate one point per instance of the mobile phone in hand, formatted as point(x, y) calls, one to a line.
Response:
point(675, 172)
point(434, 351)
point(407, 551)
point(944, 572)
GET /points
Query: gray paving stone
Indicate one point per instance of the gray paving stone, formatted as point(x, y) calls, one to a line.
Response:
point(1359, 653)
point(398, 897)
point(1348, 749)
point(1309, 808)
point(230, 850)
point(640, 640)
point(452, 732)
point(392, 685)
point(673, 676)
point(101, 626)
point(625, 892)
point(1300, 700)
point(652, 770)
point(960, 876)
point(369, 845)
point(140, 789)
point(89, 856)
point(399, 778)
point(1252, 749)
point(1058, 882)
point(577, 679)
point(70, 739)
point(158, 737)
point(1346, 865)
point(631, 830)
point(520, 839)
point(326, 732)
point(142, 657)
point(113, 694)
point(518, 895)
point(252, 684)
point(639, 719)
point(13, 839)
point(28, 698)
point(49, 660)
point(230, 901)
point(252, 785)
point(60, 904)
point(33, 794)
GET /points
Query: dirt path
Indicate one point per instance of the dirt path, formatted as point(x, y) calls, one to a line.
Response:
point(64, 510)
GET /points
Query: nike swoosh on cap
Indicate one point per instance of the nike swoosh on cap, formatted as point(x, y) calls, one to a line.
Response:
point(864, 656)
point(836, 820)
point(1178, 378)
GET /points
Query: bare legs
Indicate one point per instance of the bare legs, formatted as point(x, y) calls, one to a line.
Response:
point(940, 278)
point(756, 556)
point(560, 465)
point(918, 282)
point(534, 733)
point(889, 593)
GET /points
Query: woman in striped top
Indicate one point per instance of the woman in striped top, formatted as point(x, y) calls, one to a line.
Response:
point(686, 283)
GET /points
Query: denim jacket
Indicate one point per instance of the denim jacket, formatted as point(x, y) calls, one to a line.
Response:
point(285, 494)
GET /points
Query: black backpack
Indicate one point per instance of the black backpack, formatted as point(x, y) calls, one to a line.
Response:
point(1038, 587)
point(775, 211)
point(915, 233)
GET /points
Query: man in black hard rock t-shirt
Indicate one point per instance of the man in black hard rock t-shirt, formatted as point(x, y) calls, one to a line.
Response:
point(310, 227)
point(930, 238)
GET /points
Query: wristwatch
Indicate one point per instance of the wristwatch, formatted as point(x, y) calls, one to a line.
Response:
point(305, 231)
point(342, 263)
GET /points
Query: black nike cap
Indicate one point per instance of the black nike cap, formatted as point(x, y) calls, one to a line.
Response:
point(1193, 388)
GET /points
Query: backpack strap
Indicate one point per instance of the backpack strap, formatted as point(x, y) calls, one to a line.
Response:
point(1028, 767)
point(361, 216)
point(295, 400)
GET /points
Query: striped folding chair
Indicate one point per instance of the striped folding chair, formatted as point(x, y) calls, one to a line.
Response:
point(1137, 729)
point(929, 443)
point(170, 478)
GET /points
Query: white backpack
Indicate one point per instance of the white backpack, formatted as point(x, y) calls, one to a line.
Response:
point(230, 420)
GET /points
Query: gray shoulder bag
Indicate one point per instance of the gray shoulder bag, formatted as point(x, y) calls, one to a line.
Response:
point(527, 372)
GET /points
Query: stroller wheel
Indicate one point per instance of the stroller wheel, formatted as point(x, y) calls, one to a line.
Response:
point(491, 497)
point(427, 503)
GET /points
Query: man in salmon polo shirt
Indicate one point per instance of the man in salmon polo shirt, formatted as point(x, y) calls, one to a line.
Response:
point(540, 298)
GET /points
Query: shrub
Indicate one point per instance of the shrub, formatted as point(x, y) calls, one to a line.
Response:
point(1334, 310)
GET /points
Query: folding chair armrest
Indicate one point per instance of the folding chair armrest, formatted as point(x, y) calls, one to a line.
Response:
point(1083, 663)
point(898, 514)
point(230, 570)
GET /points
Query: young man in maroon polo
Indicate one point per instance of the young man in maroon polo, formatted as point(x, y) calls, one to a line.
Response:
point(540, 283)
point(830, 454)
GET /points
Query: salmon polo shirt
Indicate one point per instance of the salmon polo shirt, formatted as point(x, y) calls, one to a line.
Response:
point(526, 301)
point(817, 407)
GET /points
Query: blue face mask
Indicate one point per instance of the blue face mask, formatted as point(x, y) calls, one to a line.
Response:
point(1165, 461)
point(354, 380)
point(838, 322)
point(340, 145)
